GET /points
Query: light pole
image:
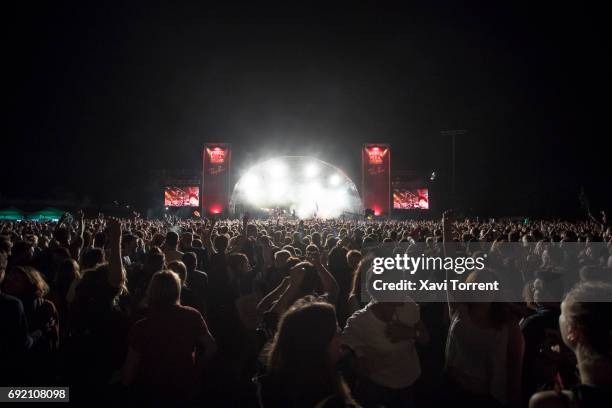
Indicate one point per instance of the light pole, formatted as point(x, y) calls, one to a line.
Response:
point(453, 133)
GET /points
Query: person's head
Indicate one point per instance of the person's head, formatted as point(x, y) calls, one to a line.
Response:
point(343, 233)
point(186, 240)
point(238, 264)
point(280, 258)
point(316, 239)
point(352, 258)
point(251, 231)
point(5, 245)
point(22, 253)
point(180, 269)
point(547, 288)
point(171, 240)
point(221, 243)
point(514, 236)
point(585, 323)
point(368, 241)
point(289, 249)
point(278, 237)
point(312, 251)
point(528, 290)
point(95, 286)
point(551, 256)
point(164, 289)
point(62, 235)
point(296, 238)
point(25, 282)
point(155, 250)
point(157, 240)
point(190, 259)
point(129, 244)
point(264, 241)
point(337, 260)
point(330, 242)
point(32, 239)
point(306, 346)
point(92, 257)
point(155, 261)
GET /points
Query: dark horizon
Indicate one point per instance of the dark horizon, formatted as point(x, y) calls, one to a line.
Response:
point(103, 95)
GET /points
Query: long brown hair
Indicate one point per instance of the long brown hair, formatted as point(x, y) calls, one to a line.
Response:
point(36, 285)
point(299, 358)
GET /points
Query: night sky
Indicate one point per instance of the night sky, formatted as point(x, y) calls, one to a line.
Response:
point(100, 94)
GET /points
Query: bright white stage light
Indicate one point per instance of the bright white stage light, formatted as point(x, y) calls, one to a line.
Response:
point(335, 179)
point(311, 170)
point(276, 168)
point(253, 195)
point(306, 185)
point(277, 191)
point(313, 189)
point(249, 181)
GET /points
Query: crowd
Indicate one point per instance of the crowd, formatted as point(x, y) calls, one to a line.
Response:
point(273, 313)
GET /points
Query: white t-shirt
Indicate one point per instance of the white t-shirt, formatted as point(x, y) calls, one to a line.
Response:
point(398, 363)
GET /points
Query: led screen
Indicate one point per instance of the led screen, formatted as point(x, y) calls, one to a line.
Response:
point(182, 196)
point(409, 199)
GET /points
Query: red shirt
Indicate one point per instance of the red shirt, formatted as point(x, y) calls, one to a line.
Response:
point(166, 340)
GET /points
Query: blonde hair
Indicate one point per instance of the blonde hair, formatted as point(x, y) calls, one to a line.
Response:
point(164, 289)
point(589, 308)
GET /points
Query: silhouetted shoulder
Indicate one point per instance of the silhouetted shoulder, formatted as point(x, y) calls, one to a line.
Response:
point(551, 399)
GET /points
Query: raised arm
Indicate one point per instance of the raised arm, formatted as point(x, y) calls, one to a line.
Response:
point(267, 301)
point(60, 223)
point(207, 238)
point(80, 223)
point(245, 222)
point(602, 223)
point(76, 245)
point(330, 286)
point(116, 275)
point(292, 290)
point(446, 238)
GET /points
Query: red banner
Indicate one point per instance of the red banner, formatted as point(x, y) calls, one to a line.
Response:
point(216, 178)
point(376, 178)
